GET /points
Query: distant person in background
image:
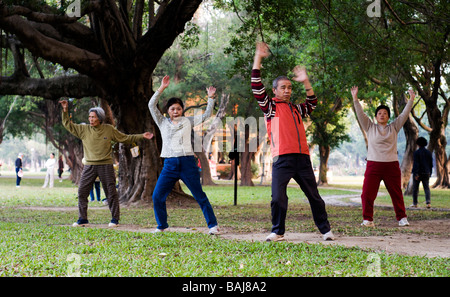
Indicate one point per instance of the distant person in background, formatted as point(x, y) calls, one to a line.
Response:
point(422, 168)
point(50, 175)
point(19, 172)
point(60, 168)
point(97, 190)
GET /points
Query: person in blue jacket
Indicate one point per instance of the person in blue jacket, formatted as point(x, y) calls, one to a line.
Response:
point(422, 168)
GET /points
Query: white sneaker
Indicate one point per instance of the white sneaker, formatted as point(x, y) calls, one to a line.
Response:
point(80, 225)
point(328, 236)
point(367, 223)
point(274, 237)
point(214, 230)
point(158, 230)
point(403, 222)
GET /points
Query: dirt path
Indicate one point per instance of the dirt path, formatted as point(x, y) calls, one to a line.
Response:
point(407, 244)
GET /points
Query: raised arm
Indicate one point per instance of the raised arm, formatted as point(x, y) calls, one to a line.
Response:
point(262, 51)
point(196, 120)
point(302, 76)
point(363, 119)
point(311, 100)
point(158, 117)
point(401, 119)
point(74, 129)
point(258, 89)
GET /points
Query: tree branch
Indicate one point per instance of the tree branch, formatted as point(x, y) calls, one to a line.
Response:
point(76, 86)
point(53, 50)
point(169, 23)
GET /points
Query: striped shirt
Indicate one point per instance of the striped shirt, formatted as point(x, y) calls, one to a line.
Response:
point(284, 124)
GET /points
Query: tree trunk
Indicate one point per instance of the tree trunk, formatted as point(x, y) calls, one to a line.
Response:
point(74, 158)
point(246, 161)
point(324, 154)
point(138, 175)
point(206, 170)
point(411, 133)
point(429, 88)
point(437, 144)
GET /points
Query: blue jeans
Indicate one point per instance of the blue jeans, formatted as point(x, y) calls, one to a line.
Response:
point(184, 168)
point(97, 191)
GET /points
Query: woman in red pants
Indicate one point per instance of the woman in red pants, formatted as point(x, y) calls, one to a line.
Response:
point(382, 159)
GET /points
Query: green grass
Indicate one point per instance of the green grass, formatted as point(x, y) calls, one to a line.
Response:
point(36, 241)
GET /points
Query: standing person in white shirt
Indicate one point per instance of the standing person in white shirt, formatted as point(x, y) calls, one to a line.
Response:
point(382, 159)
point(50, 175)
point(178, 154)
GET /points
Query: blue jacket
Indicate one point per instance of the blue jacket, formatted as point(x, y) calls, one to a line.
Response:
point(423, 162)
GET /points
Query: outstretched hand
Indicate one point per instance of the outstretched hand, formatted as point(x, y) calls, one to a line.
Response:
point(64, 104)
point(262, 50)
point(211, 92)
point(164, 83)
point(412, 95)
point(300, 73)
point(148, 135)
point(355, 92)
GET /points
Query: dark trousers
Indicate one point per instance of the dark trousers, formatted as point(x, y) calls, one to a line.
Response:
point(425, 179)
point(186, 169)
point(298, 167)
point(107, 179)
point(18, 179)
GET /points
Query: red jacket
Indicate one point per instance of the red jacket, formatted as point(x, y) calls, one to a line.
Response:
point(283, 120)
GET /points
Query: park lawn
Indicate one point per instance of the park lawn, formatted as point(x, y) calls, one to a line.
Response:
point(36, 239)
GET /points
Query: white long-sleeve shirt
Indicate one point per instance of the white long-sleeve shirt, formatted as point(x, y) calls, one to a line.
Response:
point(176, 137)
point(50, 164)
point(382, 141)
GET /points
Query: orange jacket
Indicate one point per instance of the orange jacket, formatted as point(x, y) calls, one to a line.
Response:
point(283, 120)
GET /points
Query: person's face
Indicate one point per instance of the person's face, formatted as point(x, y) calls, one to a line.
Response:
point(283, 90)
point(175, 111)
point(382, 117)
point(51, 156)
point(93, 119)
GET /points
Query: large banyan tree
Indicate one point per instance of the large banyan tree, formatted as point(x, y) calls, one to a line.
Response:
point(112, 48)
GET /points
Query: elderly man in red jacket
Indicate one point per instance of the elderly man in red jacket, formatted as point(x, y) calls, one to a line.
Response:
point(288, 145)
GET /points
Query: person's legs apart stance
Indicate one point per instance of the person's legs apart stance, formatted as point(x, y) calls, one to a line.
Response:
point(88, 177)
point(191, 177)
point(108, 180)
point(305, 178)
point(282, 172)
point(392, 180)
point(166, 181)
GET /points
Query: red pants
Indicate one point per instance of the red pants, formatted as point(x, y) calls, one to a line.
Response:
point(390, 173)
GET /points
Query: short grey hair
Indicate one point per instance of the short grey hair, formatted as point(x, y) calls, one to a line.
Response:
point(276, 80)
point(99, 112)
